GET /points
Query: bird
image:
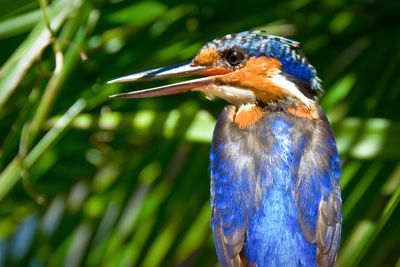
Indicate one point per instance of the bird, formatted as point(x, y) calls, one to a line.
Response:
point(274, 166)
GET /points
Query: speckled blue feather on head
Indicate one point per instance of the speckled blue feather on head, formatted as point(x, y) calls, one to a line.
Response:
point(288, 52)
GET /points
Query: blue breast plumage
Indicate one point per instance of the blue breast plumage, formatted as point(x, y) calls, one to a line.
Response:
point(275, 193)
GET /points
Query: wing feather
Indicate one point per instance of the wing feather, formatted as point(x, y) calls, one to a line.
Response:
point(234, 188)
point(317, 194)
point(227, 249)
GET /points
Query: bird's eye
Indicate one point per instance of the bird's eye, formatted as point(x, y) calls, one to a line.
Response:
point(235, 57)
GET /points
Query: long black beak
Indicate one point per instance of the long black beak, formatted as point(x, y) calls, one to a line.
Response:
point(185, 69)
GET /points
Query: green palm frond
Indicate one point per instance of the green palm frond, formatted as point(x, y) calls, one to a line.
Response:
point(90, 181)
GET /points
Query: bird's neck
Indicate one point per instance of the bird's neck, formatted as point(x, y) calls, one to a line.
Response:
point(248, 114)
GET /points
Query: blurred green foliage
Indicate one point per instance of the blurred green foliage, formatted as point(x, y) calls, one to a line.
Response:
point(90, 181)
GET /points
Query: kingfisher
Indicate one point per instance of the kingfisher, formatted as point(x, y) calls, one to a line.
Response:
point(275, 169)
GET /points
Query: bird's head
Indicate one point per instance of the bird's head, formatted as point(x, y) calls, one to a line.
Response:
point(243, 68)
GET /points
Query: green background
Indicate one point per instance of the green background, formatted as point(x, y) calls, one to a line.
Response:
point(86, 180)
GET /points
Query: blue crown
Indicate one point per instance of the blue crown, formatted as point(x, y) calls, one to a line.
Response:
point(288, 52)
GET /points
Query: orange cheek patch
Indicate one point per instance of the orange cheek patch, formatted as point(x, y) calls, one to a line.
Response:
point(255, 76)
point(206, 57)
point(303, 112)
point(246, 118)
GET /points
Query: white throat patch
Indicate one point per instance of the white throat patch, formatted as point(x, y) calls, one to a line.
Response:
point(234, 95)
